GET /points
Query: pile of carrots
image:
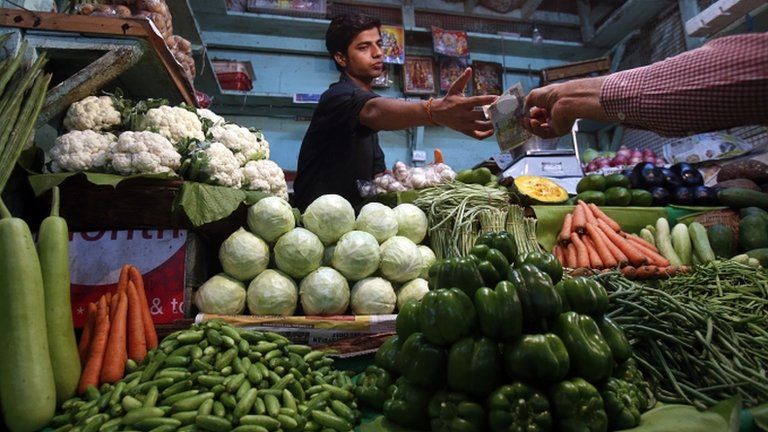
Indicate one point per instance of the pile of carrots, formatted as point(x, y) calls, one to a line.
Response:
point(118, 327)
point(590, 240)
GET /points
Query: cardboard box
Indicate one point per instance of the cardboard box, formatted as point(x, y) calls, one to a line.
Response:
point(171, 262)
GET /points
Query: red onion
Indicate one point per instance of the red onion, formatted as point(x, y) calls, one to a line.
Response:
point(603, 163)
point(648, 153)
point(635, 160)
point(651, 159)
point(636, 154)
point(592, 166)
point(625, 152)
point(620, 160)
point(659, 162)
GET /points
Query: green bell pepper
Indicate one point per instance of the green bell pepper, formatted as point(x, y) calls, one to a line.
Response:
point(454, 412)
point(616, 339)
point(372, 386)
point(501, 241)
point(543, 261)
point(578, 407)
point(491, 263)
point(518, 407)
point(474, 366)
point(388, 353)
point(407, 322)
point(628, 371)
point(407, 404)
point(590, 355)
point(423, 363)
point(624, 403)
point(461, 273)
point(499, 312)
point(446, 315)
point(583, 295)
point(537, 358)
point(537, 294)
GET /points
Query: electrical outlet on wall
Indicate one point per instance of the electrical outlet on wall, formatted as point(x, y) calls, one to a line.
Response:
point(419, 156)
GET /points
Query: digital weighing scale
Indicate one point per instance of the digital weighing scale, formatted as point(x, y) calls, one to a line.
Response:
point(560, 165)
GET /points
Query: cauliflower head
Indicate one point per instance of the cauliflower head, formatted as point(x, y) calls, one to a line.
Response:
point(80, 151)
point(174, 123)
point(265, 176)
point(94, 112)
point(214, 163)
point(207, 114)
point(246, 145)
point(143, 153)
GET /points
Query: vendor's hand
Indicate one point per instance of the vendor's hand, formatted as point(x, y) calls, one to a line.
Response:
point(458, 111)
point(553, 109)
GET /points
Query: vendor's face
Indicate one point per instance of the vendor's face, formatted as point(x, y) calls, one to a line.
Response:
point(364, 59)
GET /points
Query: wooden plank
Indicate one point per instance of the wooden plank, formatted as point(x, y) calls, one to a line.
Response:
point(585, 15)
point(572, 70)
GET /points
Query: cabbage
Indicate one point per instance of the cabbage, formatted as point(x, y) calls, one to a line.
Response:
point(356, 255)
point(411, 222)
point(400, 259)
point(329, 217)
point(243, 255)
point(298, 252)
point(414, 289)
point(373, 296)
point(377, 219)
point(428, 258)
point(272, 293)
point(270, 218)
point(324, 292)
point(328, 255)
point(221, 294)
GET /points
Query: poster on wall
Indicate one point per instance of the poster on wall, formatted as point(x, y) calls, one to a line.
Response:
point(450, 69)
point(382, 81)
point(450, 43)
point(393, 44)
point(419, 75)
point(487, 78)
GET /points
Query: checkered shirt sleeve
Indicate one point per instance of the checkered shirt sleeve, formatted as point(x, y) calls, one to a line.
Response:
point(720, 85)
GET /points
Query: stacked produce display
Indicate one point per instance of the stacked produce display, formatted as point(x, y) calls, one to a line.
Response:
point(333, 263)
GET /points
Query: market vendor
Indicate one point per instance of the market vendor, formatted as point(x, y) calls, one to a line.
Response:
point(341, 145)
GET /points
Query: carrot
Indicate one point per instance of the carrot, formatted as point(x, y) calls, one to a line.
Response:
point(636, 258)
point(653, 256)
point(582, 256)
point(579, 220)
point(565, 233)
point(603, 248)
point(122, 282)
point(137, 342)
point(90, 375)
point(113, 367)
point(149, 326)
point(558, 252)
point(629, 272)
point(647, 272)
point(594, 258)
point(584, 271)
point(438, 156)
point(571, 260)
point(589, 216)
point(604, 217)
point(112, 302)
point(85, 338)
point(639, 241)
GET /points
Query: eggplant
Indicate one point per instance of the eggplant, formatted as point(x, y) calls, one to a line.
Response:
point(634, 179)
point(683, 196)
point(705, 195)
point(692, 178)
point(652, 177)
point(660, 196)
point(672, 181)
point(679, 167)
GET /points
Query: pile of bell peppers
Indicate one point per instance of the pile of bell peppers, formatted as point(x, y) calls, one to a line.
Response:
point(504, 342)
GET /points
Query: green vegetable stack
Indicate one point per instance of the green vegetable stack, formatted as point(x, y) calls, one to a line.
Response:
point(514, 348)
point(612, 190)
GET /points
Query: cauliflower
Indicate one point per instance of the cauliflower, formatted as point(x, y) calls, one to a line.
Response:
point(213, 163)
point(246, 145)
point(173, 123)
point(143, 153)
point(265, 176)
point(207, 114)
point(94, 112)
point(80, 151)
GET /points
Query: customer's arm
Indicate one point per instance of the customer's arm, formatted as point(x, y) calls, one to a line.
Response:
point(454, 111)
point(720, 85)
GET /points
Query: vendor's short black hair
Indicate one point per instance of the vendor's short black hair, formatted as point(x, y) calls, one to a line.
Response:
point(343, 30)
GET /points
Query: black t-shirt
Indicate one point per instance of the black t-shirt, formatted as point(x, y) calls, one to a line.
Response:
point(337, 150)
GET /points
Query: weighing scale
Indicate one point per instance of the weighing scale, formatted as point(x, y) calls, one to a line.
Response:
point(560, 165)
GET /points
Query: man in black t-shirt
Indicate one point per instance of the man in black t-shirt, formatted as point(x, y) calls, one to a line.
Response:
point(341, 145)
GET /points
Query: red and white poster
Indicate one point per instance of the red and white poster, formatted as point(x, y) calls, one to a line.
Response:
point(95, 260)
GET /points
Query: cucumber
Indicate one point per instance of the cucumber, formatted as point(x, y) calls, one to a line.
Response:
point(27, 387)
point(700, 242)
point(664, 242)
point(741, 198)
point(753, 233)
point(53, 250)
point(647, 235)
point(681, 242)
point(754, 263)
point(760, 254)
point(722, 241)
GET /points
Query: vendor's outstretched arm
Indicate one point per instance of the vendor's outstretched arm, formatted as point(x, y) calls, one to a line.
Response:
point(454, 111)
